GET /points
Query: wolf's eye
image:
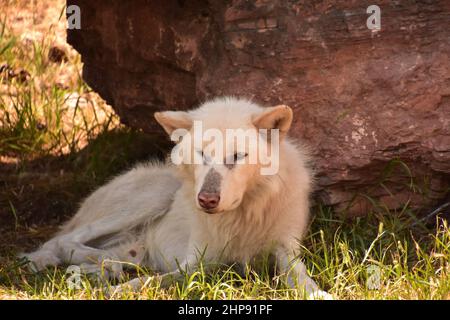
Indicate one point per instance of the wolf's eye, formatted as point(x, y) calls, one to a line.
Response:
point(205, 158)
point(239, 156)
point(230, 162)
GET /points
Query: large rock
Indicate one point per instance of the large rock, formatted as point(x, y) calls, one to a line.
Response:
point(374, 106)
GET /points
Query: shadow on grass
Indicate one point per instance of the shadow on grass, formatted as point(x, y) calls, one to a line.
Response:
point(36, 196)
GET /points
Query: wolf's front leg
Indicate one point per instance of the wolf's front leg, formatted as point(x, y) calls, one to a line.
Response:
point(297, 276)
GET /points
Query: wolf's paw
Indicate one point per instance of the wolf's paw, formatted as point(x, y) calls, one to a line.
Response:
point(135, 285)
point(111, 267)
point(119, 289)
point(320, 295)
point(115, 291)
point(40, 259)
point(104, 270)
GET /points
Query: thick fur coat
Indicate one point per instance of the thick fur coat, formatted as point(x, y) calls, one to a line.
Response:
point(167, 216)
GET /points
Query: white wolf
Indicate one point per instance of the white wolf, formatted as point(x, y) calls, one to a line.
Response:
point(165, 216)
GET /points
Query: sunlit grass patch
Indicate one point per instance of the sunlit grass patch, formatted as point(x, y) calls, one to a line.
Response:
point(381, 257)
point(45, 106)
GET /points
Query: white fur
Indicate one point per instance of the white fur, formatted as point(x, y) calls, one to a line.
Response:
point(151, 211)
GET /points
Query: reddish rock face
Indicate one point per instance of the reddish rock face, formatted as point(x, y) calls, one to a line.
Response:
point(373, 106)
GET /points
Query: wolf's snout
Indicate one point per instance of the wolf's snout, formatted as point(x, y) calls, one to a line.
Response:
point(208, 200)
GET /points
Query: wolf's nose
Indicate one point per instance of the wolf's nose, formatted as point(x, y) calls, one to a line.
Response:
point(208, 200)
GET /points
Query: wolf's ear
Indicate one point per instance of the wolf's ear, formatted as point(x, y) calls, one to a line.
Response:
point(278, 117)
point(172, 120)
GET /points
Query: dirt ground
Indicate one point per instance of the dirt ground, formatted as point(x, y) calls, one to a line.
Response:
point(37, 196)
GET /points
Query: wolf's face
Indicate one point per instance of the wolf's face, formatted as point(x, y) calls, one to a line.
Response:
point(223, 173)
point(223, 145)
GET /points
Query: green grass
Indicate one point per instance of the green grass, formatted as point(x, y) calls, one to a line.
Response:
point(339, 254)
point(58, 141)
